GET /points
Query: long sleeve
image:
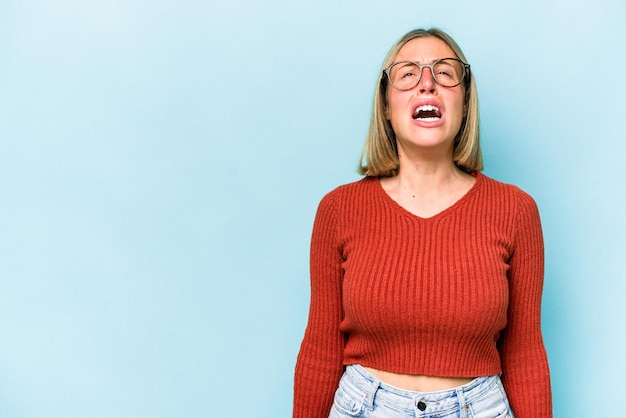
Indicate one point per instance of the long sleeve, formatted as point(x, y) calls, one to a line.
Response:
point(319, 366)
point(525, 371)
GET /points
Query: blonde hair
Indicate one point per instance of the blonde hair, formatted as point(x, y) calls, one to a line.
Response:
point(380, 155)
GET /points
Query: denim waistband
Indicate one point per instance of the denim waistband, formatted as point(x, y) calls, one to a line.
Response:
point(441, 401)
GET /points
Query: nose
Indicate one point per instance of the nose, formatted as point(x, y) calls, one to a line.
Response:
point(427, 81)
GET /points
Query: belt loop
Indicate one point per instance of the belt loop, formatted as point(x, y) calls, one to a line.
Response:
point(463, 406)
point(369, 396)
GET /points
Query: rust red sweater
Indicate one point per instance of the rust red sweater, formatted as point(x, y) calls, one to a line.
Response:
point(457, 294)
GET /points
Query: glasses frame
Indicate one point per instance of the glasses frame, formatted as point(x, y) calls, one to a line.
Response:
point(466, 72)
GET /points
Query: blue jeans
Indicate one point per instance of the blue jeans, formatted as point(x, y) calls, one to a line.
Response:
point(360, 394)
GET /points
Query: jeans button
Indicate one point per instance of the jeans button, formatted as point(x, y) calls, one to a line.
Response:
point(421, 405)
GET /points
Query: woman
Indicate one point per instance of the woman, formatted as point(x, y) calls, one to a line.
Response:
point(426, 275)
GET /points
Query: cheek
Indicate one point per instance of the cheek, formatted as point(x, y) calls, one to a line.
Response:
point(465, 99)
point(460, 108)
point(395, 105)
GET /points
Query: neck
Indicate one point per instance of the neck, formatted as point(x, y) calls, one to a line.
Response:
point(428, 177)
point(427, 171)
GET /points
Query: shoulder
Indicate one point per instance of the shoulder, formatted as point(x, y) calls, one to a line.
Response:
point(505, 191)
point(342, 202)
point(512, 200)
point(350, 192)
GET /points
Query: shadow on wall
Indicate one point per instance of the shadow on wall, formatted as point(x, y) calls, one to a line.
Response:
point(512, 158)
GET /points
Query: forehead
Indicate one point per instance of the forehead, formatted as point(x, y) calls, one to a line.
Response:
point(424, 50)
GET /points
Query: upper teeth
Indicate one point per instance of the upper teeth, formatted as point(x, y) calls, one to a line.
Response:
point(426, 108)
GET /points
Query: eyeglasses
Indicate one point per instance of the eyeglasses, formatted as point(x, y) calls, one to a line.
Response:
point(447, 72)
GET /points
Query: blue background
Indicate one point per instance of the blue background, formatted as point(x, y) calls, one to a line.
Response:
point(161, 163)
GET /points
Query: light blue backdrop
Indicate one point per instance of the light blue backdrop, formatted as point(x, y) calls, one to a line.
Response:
point(161, 162)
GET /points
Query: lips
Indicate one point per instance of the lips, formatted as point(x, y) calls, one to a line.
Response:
point(427, 113)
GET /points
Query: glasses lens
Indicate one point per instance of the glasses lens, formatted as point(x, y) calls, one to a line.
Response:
point(404, 75)
point(448, 72)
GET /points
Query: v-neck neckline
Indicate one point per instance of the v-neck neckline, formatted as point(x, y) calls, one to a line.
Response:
point(452, 208)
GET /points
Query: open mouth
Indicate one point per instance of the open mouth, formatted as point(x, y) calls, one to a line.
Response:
point(427, 113)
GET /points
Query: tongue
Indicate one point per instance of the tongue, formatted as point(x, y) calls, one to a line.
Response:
point(423, 114)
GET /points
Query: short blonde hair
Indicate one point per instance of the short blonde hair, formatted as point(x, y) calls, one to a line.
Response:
point(380, 154)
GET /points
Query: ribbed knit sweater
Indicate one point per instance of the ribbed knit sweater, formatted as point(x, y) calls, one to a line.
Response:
point(457, 294)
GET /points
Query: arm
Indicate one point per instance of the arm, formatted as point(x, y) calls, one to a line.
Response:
point(525, 372)
point(319, 366)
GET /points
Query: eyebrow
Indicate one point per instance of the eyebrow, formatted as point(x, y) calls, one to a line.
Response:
point(406, 62)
